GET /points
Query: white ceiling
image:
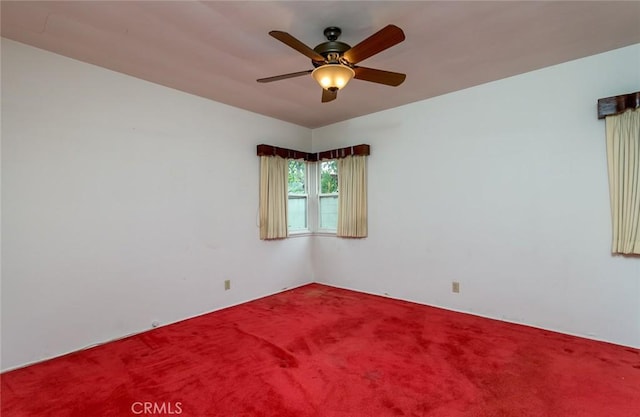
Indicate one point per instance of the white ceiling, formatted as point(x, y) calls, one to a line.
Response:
point(218, 49)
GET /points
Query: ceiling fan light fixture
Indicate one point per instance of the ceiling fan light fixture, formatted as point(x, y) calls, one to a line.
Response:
point(333, 77)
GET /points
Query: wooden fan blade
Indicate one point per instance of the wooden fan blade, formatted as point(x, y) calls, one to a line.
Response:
point(292, 42)
point(329, 95)
point(378, 42)
point(393, 79)
point(284, 76)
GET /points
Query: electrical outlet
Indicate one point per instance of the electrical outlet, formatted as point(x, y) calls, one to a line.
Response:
point(227, 284)
point(455, 287)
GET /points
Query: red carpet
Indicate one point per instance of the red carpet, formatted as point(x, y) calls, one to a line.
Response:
point(321, 351)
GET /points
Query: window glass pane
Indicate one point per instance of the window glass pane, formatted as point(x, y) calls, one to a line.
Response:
point(328, 177)
point(297, 213)
point(328, 212)
point(297, 202)
point(297, 177)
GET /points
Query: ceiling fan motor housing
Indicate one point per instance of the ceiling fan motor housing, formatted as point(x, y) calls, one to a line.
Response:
point(333, 49)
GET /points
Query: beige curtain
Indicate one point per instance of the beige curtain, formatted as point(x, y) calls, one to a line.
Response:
point(273, 197)
point(623, 154)
point(352, 196)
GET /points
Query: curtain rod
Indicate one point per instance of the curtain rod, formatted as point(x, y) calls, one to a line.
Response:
point(618, 104)
point(269, 150)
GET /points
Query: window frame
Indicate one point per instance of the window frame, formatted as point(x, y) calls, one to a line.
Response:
point(304, 196)
point(319, 195)
point(312, 187)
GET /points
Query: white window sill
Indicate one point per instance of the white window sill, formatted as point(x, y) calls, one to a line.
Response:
point(310, 233)
point(326, 233)
point(300, 233)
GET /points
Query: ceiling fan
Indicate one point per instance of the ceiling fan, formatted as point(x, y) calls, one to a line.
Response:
point(335, 62)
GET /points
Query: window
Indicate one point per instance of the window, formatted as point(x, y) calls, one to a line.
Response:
point(297, 196)
point(305, 188)
point(328, 195)
point(324, 215)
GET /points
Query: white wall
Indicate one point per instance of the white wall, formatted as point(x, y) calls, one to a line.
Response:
point(502, 187)
point(124, 202)
point(115, 211)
